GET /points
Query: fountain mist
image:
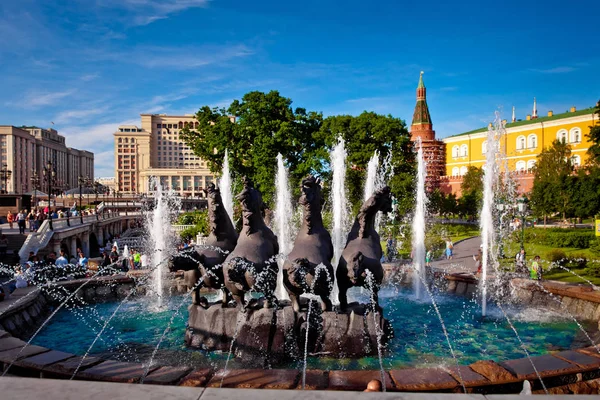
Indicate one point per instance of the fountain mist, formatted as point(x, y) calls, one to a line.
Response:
point(371, 182)
point(418, 224)
point(283, 227)
point(226, 187)
point(339, 206)
point(486, 220)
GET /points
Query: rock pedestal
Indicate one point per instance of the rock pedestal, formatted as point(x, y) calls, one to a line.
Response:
point(269, 336)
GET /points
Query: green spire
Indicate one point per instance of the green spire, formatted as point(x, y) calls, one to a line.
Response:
point(421, 84)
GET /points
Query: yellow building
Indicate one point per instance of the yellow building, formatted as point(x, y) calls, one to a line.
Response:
point(522, 143)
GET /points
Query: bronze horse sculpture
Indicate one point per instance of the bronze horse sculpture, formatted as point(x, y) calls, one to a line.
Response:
point(362, 254)
point(221, 241)
point(308, 268)
point(252, 265)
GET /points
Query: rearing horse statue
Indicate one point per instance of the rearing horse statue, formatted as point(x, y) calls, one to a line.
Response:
point(252, 264)
point(308, 268)
point(363, 250)
point(221, 241)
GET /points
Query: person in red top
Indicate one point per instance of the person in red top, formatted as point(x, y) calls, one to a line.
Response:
point(10, 218)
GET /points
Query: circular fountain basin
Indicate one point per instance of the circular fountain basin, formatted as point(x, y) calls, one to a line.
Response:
point(419, 339)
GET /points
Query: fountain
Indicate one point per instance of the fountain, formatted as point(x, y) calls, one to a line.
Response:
point(283, 226)
point(418, 222)
point(339, 205)
point(158, 222)
point(490, 180)
point(226, 186)
point(284, 337)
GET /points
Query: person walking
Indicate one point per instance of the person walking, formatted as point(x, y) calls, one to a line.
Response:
point(428, 258)
point(449, 249)
point(21, 218)
point(10, 218)
point(31, 220)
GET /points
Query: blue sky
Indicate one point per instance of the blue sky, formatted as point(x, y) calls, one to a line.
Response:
point(90, 65)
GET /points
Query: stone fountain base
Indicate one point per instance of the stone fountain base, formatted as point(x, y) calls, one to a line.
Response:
point(273, 336)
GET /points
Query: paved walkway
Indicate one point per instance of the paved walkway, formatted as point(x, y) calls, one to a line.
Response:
point(462, 260)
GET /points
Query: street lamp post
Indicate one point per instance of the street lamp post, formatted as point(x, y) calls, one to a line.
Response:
point(82, 181)
point(35, 183)
point(96, 186)
point(50, 175)
point(4, 175)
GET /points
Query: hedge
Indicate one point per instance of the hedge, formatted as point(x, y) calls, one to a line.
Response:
point(580, 239)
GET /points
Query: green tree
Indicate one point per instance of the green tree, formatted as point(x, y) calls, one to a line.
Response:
point(554, 182)
point(594, 138)
point(472, 182)
point(254, 129)
point(363, 135)
point(586, 201)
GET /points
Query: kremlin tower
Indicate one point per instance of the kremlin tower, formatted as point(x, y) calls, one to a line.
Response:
point(434, 150)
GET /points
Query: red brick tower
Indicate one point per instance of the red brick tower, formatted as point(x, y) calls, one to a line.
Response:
point(434, 150)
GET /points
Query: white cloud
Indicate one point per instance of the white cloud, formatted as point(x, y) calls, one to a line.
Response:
point(555, 70)
point(89, 77)
point(148, 11)
point(68, 116)
point(37, 99)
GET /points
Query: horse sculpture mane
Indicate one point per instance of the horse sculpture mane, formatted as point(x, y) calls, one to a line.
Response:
point(220, 225)
point(366, 216)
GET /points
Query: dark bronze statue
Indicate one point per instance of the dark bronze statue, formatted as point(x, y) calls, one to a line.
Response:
point(308, 268)
point(221, 241)
point(252, 264)
point(363, 249)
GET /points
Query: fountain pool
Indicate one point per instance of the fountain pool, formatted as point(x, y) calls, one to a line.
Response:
point(419, 340)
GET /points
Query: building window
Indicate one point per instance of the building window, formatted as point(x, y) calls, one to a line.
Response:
point(484, 147)
point(455, 150)
point(521, 166)
point(120, 140)
point(464, 150)
point(530, 164)
point(575, 135)
point(521, 143)
point(561, 135)
point(576, 161)
point(455, 171)
point(463, 171)
point(532, 141)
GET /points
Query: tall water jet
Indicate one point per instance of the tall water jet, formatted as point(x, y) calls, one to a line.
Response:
point(225, 185)
point(418, 223)
point(339, 204)
point(161, 235)
point(486, 219)
point(283, 227)
point(372, 175)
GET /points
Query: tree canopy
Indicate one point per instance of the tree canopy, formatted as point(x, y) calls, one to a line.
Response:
point(265, 124)
point(594, 137)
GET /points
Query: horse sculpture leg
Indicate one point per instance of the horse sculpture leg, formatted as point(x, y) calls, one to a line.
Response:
point(326, 303)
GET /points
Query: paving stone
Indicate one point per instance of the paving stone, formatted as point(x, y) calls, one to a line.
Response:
point(67, 367)
point(256, 379)
point(4, 334)
point(581, 359)
point(356, 380)
point(197, 378)
point(468, 376)
point(113, 371)
point(493, 372)
point(44, 359)
point(316, 379)
point(10, 343)
point(166, 375)
point(421, 379)
point(590, 351)
point(546, 365)
point(9, 356)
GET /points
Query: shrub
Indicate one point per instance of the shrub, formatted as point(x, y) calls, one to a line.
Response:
point(593, 268)
point(190, 233)
point(557, 256)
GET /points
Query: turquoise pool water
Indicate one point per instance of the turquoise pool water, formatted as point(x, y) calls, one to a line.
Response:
point(419, 340)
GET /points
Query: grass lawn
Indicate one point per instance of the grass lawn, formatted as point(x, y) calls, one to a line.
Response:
point(555, 273)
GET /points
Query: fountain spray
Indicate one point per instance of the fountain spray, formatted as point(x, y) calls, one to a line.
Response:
point(339, 207)
point(418, 224)
point(225, 185)
point(283, 227)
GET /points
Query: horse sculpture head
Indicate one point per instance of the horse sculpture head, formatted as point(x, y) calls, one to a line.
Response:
point(311, 192)
point(380, 201)
point(250, 200)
